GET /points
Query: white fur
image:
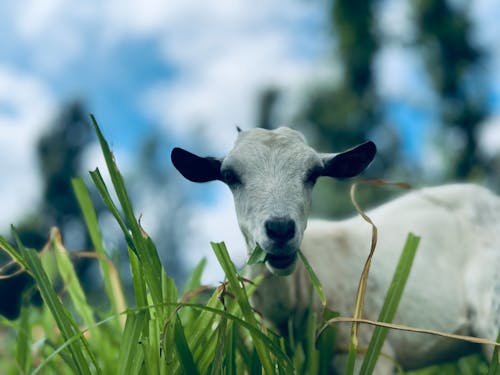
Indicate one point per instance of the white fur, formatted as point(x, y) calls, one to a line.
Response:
point(454, 284)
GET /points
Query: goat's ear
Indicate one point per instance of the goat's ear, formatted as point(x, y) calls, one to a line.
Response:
point(196, 168)
point(349, 163)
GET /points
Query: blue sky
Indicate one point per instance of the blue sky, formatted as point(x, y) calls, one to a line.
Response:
point(109, 77)
point(179, 67)
point(115, 54)
point(183, 67)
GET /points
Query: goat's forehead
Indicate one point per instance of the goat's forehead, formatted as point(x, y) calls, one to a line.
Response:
point(260, 147)
point(259, 151)
point(257, 141)
point(280, 135)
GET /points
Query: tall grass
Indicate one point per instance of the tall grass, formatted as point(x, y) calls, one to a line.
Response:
point(161, 331)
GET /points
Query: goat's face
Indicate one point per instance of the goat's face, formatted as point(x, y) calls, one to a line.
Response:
point(271, 175)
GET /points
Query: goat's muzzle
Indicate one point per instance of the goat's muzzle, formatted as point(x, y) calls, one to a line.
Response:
point(281, 249)
point(280, 229)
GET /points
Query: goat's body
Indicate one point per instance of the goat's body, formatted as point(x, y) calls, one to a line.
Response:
point(454, 284)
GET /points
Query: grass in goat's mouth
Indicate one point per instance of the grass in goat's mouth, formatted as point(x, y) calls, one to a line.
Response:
point(277, 261)
point(259, 256)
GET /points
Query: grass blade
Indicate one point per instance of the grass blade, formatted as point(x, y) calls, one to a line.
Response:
point(391, 303)
point(360, 294)
point(71, 282)
point(258, 256)
point(326, 343)
point(116, 179)
point(23, 337)
point(310, 362)
point(255, 332)
point(182, 348)
point(151, 349)
point(137, 238)
point(314, 279)
point(130, 352)
point(108, 201)
point(64, 321)
point(242, 300)
point(112, 283)
point(220, 348)
point(494, 368)
point(12, 252)
point(231, 351)
point(140, 289)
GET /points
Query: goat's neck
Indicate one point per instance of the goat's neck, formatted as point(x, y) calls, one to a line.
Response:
point(280, 298)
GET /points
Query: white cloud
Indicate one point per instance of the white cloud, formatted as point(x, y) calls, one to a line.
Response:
point(215, 223)
point(486, 33)
point(485, 14)
point(222, 52)
point(489, 137)
point(36, 17)
point(225, 54)
point(26, 105)
point(400, 75)
point(135, 17)
point(396, 20)
point(223, 92)
point(398, 67)
point(54, 32)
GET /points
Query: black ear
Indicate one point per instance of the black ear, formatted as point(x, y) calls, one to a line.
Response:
point(194, 167)
point(350, 163)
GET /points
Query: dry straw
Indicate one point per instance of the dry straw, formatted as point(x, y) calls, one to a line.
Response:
point(361, 291)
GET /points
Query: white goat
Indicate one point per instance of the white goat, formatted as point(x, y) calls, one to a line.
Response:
point(454, 285)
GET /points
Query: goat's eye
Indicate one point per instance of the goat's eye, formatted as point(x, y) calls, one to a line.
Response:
point(230, 177)
point(312, 175)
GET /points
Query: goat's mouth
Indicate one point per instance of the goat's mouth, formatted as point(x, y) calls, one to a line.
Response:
point(278, 264)
point(281, 265)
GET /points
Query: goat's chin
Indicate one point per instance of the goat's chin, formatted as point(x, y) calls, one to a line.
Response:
point(282, 270)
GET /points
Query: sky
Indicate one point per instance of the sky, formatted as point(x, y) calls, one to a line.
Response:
point(184, 68)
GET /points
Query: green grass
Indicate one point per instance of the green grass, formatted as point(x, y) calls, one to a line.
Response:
point(163, 331)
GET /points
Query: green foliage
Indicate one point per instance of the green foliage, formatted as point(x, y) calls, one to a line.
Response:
point(163, 332)
point(59, 151)
point(495, 360)
point(455, 66)
point(314, 279)
point(391, 303)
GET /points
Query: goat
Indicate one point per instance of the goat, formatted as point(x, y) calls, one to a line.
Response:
point(454, 284)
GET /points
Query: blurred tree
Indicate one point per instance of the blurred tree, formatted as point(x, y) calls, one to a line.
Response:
point(455, 64)
point(59, 154)
point(266, 106)
point(340, 114)
point(60, 151)
point(347, 113)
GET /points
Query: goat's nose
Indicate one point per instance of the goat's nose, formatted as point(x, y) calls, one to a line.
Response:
point(280, 229)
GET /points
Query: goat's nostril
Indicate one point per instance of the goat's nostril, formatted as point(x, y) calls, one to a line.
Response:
point(280, 229)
